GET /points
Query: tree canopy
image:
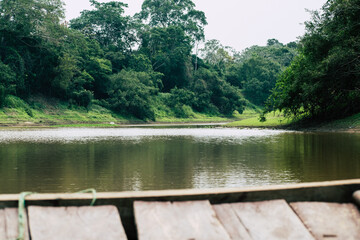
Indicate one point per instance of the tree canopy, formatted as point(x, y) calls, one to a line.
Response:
point(181, 13)
point(106, 24)
point(145, 65)
point(323, 82)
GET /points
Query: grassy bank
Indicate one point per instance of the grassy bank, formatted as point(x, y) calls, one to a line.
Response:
point(39, 112)
point(51, 112)
point(272, 120)
point(277, 120)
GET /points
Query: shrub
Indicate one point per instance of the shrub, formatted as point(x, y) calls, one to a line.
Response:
point(83, 98)
point(183, 111)
point(130, 93)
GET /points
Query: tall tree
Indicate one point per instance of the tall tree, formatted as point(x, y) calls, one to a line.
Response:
point(214, 53)
point(181, 13)
point(107, 24)
point(29, 31)
point(258, 77)
point(169, 51)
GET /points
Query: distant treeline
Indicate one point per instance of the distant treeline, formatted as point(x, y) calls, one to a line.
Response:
point(150, 62)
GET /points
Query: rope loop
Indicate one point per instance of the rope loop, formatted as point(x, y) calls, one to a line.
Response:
point(90, 190)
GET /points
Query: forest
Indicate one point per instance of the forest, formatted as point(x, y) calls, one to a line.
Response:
point(157, 62)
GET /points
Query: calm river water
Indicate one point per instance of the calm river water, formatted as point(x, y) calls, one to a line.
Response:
point(68, 160)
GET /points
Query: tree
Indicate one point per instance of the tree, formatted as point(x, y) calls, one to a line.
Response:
point(29, 36)
point(214, 53)
point(107, 25)
point(258, 77)
point(181, 13)
point(169, 51)
point(255, 70)
point(29, 17)
point(131, 92)
point(324, 81)
point(210, 87)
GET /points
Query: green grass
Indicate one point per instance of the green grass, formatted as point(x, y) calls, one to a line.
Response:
point(52, 112)
point(278, 120)
point(272, 120)
point(85, 125)
point(197, 118)
point(41, 111)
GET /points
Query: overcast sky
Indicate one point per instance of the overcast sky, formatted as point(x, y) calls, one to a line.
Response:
point(237, 23)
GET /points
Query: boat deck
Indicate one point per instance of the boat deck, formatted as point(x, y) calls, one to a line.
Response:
point(275, 219)
point(302, 211)
point(250, 220)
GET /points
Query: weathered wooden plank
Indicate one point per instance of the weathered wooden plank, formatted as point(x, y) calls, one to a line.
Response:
point(329, 220)
point(2, 224)
point(231, 222)
point(333, 191)
point(271, 220)
point(9, 224)
point(77, 223)
point(178, 220)
point(12, 227)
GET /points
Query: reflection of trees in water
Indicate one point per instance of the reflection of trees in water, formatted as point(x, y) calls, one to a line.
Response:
point(323, 156)
point(177, 162)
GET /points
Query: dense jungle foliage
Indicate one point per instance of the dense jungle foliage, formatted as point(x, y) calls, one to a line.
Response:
point(149, 63)
point(323, 81)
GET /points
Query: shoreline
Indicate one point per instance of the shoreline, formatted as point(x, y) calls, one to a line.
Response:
point(130, 124)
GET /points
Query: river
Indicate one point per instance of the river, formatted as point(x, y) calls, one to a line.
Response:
point(133, 159)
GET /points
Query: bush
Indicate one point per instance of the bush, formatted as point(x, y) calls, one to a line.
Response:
point(83, 98)
point(180, 96)
point(131, 93)
point(7, 81)
point(183, 111)
point(211, 90)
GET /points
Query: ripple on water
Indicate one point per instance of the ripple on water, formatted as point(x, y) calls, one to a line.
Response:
point(69, 135)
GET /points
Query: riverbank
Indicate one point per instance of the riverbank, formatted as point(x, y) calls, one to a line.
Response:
point(41, 113)
point(349, 124)
point(277, 120)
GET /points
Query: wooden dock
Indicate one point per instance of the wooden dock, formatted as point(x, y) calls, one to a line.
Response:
point(205, 215)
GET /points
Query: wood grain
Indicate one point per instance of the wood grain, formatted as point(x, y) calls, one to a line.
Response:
point(271, 220)
point(178, 220)
point(231, 222)
point(9, 224)
point(2, 224)
point(329, 220)
point(76, 223)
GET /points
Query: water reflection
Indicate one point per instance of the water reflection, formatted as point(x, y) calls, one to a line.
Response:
point(98, 134)
point(147, 159)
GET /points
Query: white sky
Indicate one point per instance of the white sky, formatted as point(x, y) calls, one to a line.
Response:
point(237, 23)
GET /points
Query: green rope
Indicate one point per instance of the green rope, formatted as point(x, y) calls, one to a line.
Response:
point(21, 215)
point(90, 190)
